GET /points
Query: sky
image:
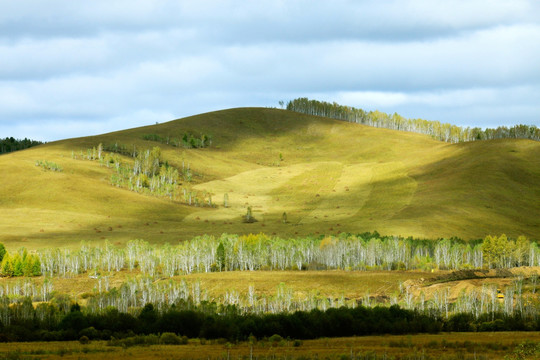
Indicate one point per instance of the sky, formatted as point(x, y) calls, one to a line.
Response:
point(78, 68)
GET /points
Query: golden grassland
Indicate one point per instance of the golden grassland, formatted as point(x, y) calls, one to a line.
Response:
point(331, 283)
point(438, 346)
point(334, 284)
point(328, 176)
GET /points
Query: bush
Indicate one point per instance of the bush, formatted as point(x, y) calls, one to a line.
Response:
point(135, 340)
point(275, 338)
point(84, 340)
point(151, 339)
point(48, 165)
point(248, 218)
point(89, 332)
point(169, 338)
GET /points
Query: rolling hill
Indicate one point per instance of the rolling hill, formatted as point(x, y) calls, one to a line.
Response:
point(328, 176)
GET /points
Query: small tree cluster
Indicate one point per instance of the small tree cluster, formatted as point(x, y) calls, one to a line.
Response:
point(149, 174)
point(49, 165)
point(187, 140)
point(26, 287)
point(501, 252)
point(21, 263)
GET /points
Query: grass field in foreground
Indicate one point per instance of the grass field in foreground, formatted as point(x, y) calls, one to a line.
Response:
point(492, 346)
point(328, 176)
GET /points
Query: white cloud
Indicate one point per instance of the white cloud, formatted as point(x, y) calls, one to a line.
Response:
point(100, 62)
point(473, 107)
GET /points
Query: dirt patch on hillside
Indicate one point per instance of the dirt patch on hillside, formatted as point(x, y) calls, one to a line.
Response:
point(472, 274)
point(460, 281)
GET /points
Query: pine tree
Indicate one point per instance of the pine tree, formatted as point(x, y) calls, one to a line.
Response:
point(6, 266)
point(17, 264)
point(220, 255)
point(2, 251)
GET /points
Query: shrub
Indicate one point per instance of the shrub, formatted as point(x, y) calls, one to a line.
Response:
point(48, 165)
point(248, 218)
point(275, 338)
point(169, 338)
point(89, 332)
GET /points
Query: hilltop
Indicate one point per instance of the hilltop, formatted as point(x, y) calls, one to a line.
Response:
point(328, 176)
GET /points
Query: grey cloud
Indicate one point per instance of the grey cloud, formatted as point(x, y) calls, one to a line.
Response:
point(101, 63)
point(262, 21)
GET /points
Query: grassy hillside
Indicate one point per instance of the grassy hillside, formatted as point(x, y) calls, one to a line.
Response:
point(328, 176)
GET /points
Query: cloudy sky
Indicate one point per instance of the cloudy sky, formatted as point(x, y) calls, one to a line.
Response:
point(76, 68)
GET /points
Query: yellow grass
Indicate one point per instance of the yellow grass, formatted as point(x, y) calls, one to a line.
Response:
point(330, 284)
point(482, 345)
point(378, 285)
point(335, 176)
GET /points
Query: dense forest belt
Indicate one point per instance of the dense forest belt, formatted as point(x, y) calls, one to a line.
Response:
point(210, 321)
point(441, 131)
point(368, 251)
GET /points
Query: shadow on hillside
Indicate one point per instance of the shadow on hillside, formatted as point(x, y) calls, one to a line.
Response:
point(226, 127)
point(498, 180)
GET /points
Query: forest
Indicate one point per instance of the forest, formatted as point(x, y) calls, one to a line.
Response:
point(440, 131)
point(228, 252)
point(150, 292)
point(209, 321)
point(10, 144)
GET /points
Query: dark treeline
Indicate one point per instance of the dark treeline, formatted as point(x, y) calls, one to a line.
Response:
point(441, 131)
point(11, 144)
point(50, 323)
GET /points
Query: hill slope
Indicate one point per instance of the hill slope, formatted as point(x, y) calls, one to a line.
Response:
point(327, 175)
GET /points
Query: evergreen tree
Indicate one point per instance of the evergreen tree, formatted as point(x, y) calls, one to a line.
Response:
point(2, 251)
point(7, 267)
point(17, 264)
point(220, 255)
